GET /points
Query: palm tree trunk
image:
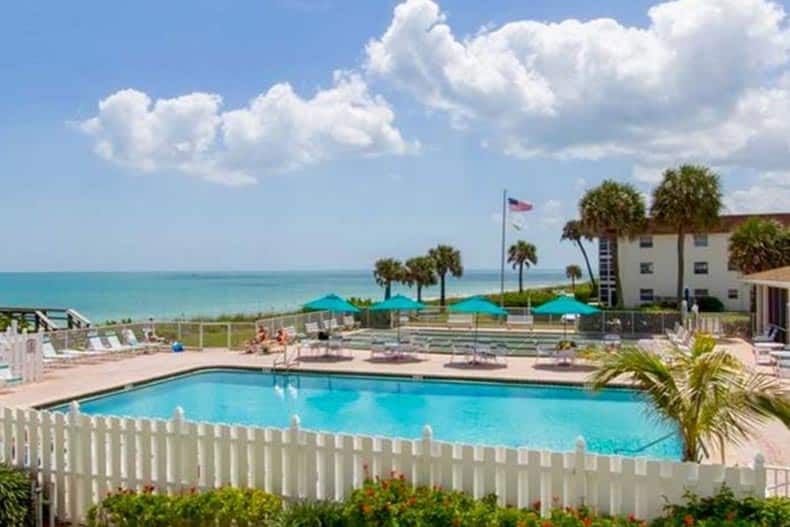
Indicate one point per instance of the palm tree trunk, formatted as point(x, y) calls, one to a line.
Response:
point(419, 292)
point(681, 266)
point(388, 291)
point(521, 278)
point(589, 268)
point(573, 284)
point(441, 290)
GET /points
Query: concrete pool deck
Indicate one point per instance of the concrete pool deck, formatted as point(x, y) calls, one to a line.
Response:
point(76, 381)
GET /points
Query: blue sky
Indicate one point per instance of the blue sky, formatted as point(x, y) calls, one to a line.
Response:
point(378, 132)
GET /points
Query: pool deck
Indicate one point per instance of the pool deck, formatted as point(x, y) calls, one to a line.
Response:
point(76, 381)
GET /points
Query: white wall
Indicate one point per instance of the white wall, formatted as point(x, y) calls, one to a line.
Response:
point(663, 281)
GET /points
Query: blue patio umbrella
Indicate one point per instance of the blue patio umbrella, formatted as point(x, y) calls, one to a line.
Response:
point(565, 305)
point(398, 303)
point(477, 305)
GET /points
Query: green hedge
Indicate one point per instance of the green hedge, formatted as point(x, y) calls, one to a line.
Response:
point(395, 502)
point(15, 504)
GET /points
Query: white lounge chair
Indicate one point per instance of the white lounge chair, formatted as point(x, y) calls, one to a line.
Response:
point(311, 329)
point(496, 353)
point(520, 321)
point(7, 378)
point(134, 343)
point(330, 325)
point(782, 369)
point(545, 351)
point(768, 334)
point(612, 341)
point(53, 356)
point(115, 344)
point(349, 323)
point(460, 320)
point(460, 350)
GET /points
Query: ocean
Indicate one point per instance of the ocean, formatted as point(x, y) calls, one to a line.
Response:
point(102, 296)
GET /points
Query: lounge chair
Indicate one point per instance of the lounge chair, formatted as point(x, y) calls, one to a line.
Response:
point(496, 353)
point(460, 320)
point(565, 357)
point(460, 350)
point(520, 321)
point(134, 343)
point(52, 356)
point(782, 369)
point(612, 341)
point(349, 323)
point(330, 325)
point(768, 334)
point(311, 329)
point(762, 353)
point(7, 377)
point(115, 344)
point(545, 351)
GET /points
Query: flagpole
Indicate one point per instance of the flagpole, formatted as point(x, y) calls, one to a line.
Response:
point(502, 260)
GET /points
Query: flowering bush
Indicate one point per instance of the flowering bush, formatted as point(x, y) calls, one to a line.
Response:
point(394, 502)
point(15, 503)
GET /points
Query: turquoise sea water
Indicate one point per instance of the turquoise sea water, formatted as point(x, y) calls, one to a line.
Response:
point(546, 417)
point(103, 296)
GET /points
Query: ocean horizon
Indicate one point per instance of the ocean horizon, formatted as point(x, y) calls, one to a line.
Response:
point(139, 295)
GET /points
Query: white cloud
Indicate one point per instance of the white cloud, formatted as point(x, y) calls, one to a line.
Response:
point(276, 131)
point(702, 82)
point(770, 193)
point(551, 213)
point(646, 174)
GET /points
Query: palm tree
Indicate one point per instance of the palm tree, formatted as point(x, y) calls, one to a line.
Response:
point(420, 271)
point(689, 200)
point(446, 259)
point(573, 272)
point(572, 232)
point(707, 394)
point(759, 245)
point(386, 271)
point(613, 210)
point(522, 254)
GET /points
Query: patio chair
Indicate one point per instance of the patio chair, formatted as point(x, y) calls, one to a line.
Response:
point(311, 329)
point(520, 321)
point(115, 344)
point(782, 369)
point(96, 345)
point(545, 351)
point(612, 341)
point(7, 378)
point(460, 350)
point(134, 343)
point(565, 357)
point(52, 356)
point(349, 323)
point(768, 334)
point(496, 353)
point(762, 354)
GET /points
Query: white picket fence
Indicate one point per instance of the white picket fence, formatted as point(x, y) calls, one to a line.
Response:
point(81, 458)
point(23, 354)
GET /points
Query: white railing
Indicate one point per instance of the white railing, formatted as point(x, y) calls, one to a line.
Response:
point(23, 354)
point(84, 457)
point(777, 480)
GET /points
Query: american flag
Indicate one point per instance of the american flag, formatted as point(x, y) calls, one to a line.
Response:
point(515, 205)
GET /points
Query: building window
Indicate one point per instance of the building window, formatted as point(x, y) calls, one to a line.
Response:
point(646, 268)
point(700, 267)
point(646, 295)
point(732, 267)
point(646, 242)
point(700, 293)
point(732, 294)
point(700, 240)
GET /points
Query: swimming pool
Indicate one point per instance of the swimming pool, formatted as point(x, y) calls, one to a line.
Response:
point(613, 421)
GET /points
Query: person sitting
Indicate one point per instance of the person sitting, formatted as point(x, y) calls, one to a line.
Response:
point(257, 343)
point(282, 336)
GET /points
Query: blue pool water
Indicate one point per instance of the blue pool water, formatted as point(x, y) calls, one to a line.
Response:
point(546, 417)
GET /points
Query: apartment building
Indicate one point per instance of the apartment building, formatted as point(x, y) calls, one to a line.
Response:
point(648, 265)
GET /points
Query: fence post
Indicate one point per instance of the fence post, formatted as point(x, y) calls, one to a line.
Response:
point(579, 472)
point(178, 330)
point(603, 322)
point(760, 490)
point(294, 458)
point(176, 463)
point(75, 462)
point(424, 472)
point(200, 336)
point(230, 341)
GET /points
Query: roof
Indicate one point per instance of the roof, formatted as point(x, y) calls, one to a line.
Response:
point(727, 223)
point(779, 276)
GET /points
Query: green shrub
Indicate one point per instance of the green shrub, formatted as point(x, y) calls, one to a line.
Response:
point(15, 503)
point(313, 514)
point(710, 304)
point(222, 507)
